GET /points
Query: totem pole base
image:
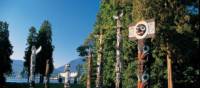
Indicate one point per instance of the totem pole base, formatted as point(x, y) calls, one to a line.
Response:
point(32, 84)
point(66, 86)
point(139, 85)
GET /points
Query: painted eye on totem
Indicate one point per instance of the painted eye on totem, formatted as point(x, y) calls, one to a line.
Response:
point(141, 29)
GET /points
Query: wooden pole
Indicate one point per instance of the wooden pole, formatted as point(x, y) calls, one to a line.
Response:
point(118, 59)
point(142, 68)
point(141, 31)
point(67, 76)
point(99, 80)
point(89, 69)
point(32, 67)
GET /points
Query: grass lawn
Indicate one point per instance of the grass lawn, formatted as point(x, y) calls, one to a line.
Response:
point(53, 85)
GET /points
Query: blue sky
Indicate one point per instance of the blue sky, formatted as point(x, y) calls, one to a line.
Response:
point(72, 21)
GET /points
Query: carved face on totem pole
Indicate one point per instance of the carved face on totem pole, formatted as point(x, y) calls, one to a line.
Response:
point(141, 31)
point(33, 50)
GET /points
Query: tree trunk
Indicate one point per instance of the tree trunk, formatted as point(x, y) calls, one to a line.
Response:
point(47, 74)
point(28, 80)
point(47, 81)
point(169, 67)
point(75, 80)
point(169, 70)
point(2, 81)
point(41, 78)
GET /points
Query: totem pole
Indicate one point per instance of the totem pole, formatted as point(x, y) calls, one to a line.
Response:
point(118, 65)
point(89, 64)
point(32, 65)
point(67, 76)
point(141, 31)
point(99, 80)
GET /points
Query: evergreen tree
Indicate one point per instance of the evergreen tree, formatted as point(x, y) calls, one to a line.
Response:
point(5, 52)
point(106, 24)
point(87, 51)
point(45, 41)
point(177, 29)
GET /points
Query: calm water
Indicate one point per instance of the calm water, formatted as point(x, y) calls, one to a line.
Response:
point(22, 80)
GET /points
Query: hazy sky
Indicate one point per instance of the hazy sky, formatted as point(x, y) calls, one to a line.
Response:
point(72, 21)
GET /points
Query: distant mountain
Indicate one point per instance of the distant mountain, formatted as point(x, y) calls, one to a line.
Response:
point(17, 67)
point(73, 66)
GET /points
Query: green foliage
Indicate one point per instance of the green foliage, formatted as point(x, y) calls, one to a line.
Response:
point(44, 40)
point(173, 26)
point(5, 52)
point(106, 24)
point(177, 24)
point(82, 50)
